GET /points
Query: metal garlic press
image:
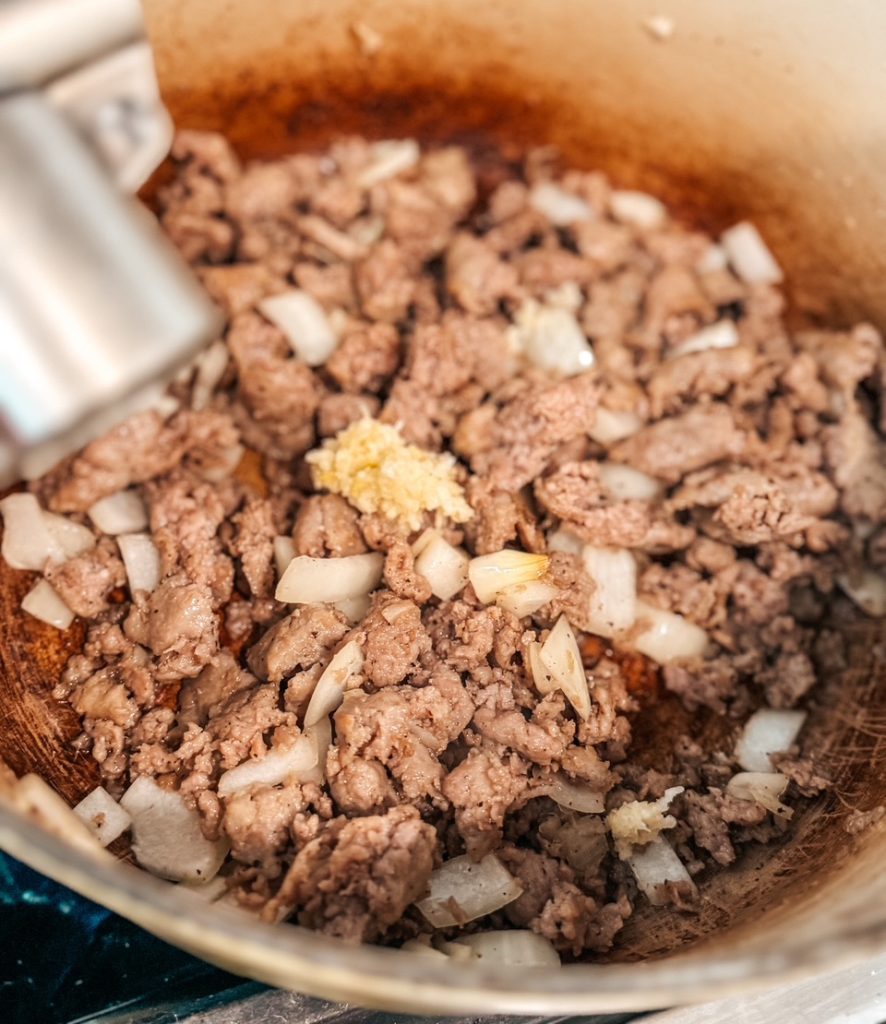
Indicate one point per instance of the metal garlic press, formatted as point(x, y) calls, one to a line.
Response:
point(97, 309)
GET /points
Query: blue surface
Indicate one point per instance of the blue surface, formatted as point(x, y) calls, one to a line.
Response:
point(64, 959)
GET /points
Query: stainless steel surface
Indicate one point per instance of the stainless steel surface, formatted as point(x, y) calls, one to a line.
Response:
point(96, 307)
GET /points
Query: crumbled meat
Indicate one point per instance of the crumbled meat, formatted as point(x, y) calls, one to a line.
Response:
point(770, 460)
point(358, 876)
point(85, 582)
point(297, 641)
point(327, 526)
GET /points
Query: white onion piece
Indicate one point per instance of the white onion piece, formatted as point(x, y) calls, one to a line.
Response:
point(462, 890)
point(561, 657)
point(559, 206)
point(562, 540)
point(43, 602)
point(766, 732)
point(39, 801)
point(353, 608)
point(284, 552)
point(764, 788)
point(444, 567)
point(624, 483)
point(666, 636)
point(73, 538)
point(749, 255)
point(330, 689)
point(567, 295)
point(654, 866)
point(544, 680)
point(612, 607)
point(714, 259)
point(637, 209)
point(458, 952)
point(304, 322)
point(722, 334)
point(389, 158)
point(582, 798)
point(422, 541)
point(610, 425)
point(317, 580)
point(166, 835)
point(123, 512)
point(209, 892)
point(211, 366)
point(141, 559)
point(225, 465)
point(552, 339)
point(525, 598)
point(490, 574)
point(28, 542)
point(639, 822)
point(867, 591)
point(275, 767)
point(103, 816)
point(516, 947)
point(419, 948)
point(320, 735)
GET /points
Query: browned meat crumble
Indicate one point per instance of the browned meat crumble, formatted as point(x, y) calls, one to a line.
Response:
point(763, 482)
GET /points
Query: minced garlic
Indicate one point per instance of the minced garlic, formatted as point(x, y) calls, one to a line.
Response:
point(370, 465)
point(640, 822)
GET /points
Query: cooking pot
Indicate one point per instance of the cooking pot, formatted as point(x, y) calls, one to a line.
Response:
point(771, 112)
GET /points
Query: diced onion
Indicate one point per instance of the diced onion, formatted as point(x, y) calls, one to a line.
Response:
point(749, 255)
point(210, 891)
point(552, 338)
point(458, 952)
point(422, 541)
point(224, 465)
point(639, 822)
point(490, 574)
point(767, 732)
point(141, 559)
point(611, 425)
point(562, 540)
point(419, 948)
point(525, 598)
point(613, 602)
point(637, 209)
point(714, 259)
point(28, 542)
point(166, 835)
point(624, 483)
point(560, 655)
point(73, 538)
point(320, 735)
point(44, 603)
point(330, 689)
point(272, 769)
point(722, 334)
point(211, 366)
point(666, 636)
point(516, 947)
point(764, 788)
point(462, 890)
point(559, 206)
point(304, 322)
point(389, 158)
point(103, 816)
point(444, 567)
point(353, 608)
point(123, 512)
point(654, 866)
point(867, 590)
point(582, 798)
point(316, 580)
point(38, 800)
point(284, 552)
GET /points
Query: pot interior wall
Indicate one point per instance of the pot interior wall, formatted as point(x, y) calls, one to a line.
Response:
point(748, 110)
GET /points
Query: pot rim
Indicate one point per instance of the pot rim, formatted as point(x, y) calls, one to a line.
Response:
point(380, 978)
